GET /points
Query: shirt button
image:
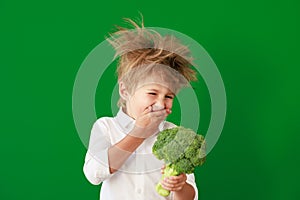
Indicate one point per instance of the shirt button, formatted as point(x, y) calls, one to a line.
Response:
point(139, 190)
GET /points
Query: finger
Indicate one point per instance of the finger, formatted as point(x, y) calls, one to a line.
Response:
point(179, 177)
point(177, 187)
point(162, 169)
point(169, 111)
point(172, 187)
point(172, 181)
point(167, 185)
point(159, 113)
point(176, 181)
point(147, 110)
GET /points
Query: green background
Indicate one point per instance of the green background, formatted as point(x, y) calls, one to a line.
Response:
point(255, 45)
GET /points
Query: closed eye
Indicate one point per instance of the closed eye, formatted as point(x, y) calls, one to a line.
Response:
point(152, 93)
point(169, 97)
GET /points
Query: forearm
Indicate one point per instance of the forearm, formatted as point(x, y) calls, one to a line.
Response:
point(120, 152)
point(186, 193)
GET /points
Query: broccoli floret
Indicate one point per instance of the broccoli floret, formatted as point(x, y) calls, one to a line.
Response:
point(181, 149)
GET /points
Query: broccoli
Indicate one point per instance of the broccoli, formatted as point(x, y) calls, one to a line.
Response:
point(181, 149)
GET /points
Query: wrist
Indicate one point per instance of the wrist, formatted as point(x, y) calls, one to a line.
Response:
point(134, 140)
point(186, 192)
point(182, 188)
point(142, 133)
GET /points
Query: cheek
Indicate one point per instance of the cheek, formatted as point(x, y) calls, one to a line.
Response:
point(143, 102)
point(169, 103)
point(147, 100)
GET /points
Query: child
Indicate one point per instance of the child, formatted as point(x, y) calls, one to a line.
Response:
point(151, 70)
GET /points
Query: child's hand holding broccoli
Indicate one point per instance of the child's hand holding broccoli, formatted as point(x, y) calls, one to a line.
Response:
point(182, 150)
point(173, 183)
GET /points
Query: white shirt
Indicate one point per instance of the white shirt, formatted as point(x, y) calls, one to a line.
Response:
point(137, 178)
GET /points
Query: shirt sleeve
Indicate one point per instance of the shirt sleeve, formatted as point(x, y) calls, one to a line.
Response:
point(96, 167)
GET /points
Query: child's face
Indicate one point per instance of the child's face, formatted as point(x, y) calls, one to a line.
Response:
point(152, 94)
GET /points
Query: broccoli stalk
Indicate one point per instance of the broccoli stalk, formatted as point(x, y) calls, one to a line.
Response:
point(181, 149)
point(168, 171)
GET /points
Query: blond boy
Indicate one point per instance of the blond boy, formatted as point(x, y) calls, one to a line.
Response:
point(151, 70)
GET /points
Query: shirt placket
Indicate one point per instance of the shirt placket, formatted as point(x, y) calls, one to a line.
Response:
point(140, 165)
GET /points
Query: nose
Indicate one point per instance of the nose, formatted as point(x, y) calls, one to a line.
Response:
point(158, 105)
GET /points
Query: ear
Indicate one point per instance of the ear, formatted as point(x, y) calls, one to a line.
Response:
point(123, 91)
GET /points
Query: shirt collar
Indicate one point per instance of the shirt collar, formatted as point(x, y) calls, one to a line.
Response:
point(127, 123)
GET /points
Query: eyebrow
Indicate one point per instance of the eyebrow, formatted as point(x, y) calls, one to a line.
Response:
point(155, 90)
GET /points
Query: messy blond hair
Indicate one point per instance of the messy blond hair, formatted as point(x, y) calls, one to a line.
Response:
point(141, 46)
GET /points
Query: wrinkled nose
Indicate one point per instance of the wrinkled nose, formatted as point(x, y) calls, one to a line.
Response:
point(159, 105)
